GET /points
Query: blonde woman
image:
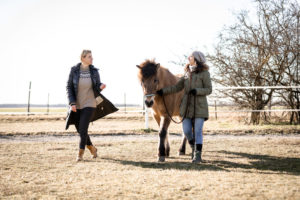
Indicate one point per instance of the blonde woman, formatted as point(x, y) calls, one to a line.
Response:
point(83, 89)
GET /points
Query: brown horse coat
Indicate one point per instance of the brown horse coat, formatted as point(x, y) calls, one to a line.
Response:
point(154, 77)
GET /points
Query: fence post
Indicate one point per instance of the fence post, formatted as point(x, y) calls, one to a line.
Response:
point(28, 105)
point(125, 102)
point(146, 118)
point(143, 104)
point(216, 116)
point(48, 104)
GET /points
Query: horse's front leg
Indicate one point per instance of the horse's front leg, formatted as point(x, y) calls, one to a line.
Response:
point(164, 124)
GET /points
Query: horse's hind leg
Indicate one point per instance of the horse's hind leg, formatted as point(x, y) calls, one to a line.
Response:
point(164, 124)
point(182, 148)
point(167, 145)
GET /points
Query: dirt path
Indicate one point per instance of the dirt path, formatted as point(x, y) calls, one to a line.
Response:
point(121, 137)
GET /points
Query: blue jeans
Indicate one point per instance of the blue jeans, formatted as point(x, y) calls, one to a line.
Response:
point(188, 130)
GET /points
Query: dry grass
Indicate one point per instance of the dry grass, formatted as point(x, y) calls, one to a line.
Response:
point(131, 123)
point(243, 163)
point(34, 109)
point(236, 167)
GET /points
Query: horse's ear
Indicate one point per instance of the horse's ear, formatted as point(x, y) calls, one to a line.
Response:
point(138, 66)
point(157, 65)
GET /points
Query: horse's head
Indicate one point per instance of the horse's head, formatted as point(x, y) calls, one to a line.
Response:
point(149, 80)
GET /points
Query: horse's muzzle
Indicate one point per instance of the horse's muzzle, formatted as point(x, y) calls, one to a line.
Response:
point(149, 104)
point(149, 100)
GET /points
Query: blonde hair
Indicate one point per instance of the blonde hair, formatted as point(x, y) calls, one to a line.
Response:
point(84, 53)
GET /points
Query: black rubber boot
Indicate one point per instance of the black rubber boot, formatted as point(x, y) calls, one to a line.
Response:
point(192, 145)
point(197, 157)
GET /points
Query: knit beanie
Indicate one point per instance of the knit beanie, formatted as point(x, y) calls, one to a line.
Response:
point(199, 56)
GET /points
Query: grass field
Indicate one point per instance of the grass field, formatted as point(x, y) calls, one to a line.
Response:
point(34, 109)
point(53, 109)
point(235, 167)
point(241, 161)
point(133, 123)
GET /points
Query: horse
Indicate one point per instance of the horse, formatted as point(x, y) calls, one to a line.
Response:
point(153, 77)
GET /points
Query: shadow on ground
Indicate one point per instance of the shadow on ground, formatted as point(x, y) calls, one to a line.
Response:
point(261, 162)
point(169, 165)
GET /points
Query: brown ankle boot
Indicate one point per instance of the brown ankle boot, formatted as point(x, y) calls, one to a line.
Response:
point(80, 155)
point(93, 150)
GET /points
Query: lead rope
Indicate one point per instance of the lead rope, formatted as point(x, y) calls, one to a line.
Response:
point(194, 118)
point(169, 113)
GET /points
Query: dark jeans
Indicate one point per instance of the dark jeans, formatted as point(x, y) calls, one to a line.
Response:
point(83, 117)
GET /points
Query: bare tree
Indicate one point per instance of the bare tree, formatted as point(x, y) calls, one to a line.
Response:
point(287, 55)
point(256, 54)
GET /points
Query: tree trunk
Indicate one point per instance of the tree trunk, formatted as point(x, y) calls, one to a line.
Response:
point(294, 104)
point(255, 118)
point(297, 107)
point(292, 118)
point(259, 105)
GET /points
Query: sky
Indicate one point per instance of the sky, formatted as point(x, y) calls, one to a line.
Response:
point(40, 40)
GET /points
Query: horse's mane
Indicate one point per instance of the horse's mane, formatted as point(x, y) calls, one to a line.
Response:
point(148, 69)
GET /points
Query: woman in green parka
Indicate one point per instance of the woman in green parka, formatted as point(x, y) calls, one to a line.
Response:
point(194, 107)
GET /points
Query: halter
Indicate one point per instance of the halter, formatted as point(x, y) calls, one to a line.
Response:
point(152, 95)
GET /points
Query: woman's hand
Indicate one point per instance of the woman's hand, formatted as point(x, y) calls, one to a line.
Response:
point(160, 92)
point(193, 92)
point(102, 86)
point(74, 108)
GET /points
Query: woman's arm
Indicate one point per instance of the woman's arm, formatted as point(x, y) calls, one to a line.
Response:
point(70, 89)
point(98, 82)
point(174, 88)
point(207, 87)
point(99, 85)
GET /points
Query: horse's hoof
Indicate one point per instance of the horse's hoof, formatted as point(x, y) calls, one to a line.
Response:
point(180, 153)
point(161, 159)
